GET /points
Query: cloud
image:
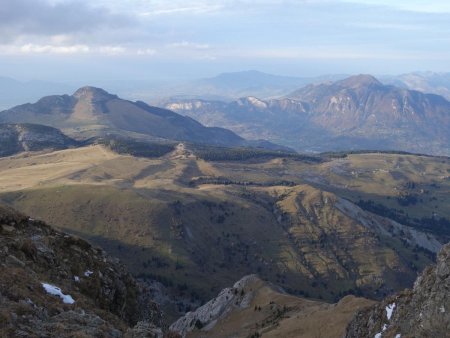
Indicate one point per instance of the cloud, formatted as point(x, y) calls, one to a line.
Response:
point(431, 6)
point(188, 45)
point(146, 51)
point(239, 33)
point(40, 49)
point(78, 49)
point(20, 18)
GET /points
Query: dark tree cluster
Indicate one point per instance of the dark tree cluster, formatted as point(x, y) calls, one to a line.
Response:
point(137, 148)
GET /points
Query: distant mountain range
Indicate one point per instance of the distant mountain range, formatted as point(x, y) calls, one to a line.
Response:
point(250, 83)
point(93, 112)
point(224, 87)
point(358, 112)
point(427, 82)
point(234, 85)
point(231, 86)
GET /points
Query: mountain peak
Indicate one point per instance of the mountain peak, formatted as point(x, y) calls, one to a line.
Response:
point(359, 81)
point(94, 93)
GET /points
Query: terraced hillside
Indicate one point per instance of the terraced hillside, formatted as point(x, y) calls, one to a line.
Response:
point(198, 226)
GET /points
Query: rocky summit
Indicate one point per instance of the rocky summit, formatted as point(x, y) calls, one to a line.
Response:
point(423, 311)
point(56, 285)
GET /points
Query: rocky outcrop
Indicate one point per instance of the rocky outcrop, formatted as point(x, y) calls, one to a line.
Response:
point(210, 313)
point(423, 311)
point(256, 308)
point(53, 284)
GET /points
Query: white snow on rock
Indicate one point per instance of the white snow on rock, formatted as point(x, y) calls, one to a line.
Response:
point(389, 310)
point(76, 278)
point(56, 291)
point(88, 273)
point(378, 335)
point(398, 335)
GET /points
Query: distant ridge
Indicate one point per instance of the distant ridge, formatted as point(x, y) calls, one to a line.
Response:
point(355, 113)
point(93, 112)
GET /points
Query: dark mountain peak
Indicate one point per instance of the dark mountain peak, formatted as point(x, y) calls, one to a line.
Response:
point(361, 80)
point(93, 93)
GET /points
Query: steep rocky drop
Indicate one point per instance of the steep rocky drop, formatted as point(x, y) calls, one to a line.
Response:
point(423, 311)
point(53, 284)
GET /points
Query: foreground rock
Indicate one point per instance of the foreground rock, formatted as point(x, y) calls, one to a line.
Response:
point(254, 308)
point(423, 311)
point(56, 285)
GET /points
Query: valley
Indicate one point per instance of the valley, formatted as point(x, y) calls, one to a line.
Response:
point(224, 169)
point(197, 226)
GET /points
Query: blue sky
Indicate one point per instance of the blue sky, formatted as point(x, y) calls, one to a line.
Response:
point(144, 39)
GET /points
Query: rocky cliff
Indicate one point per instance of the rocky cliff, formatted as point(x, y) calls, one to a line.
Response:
point(53, 284)
point(423, 311)
point(255, 308)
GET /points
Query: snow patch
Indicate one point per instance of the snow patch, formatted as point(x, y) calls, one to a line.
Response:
point(389, 310)
point(88, 273)
point(56, 291)
point(442, 309)
point(378, 335)
point(398, 335)
point(77, 279)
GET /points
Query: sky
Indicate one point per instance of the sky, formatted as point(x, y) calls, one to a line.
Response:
point(82, 40)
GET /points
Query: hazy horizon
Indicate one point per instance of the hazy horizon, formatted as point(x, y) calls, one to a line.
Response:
point(80, 40)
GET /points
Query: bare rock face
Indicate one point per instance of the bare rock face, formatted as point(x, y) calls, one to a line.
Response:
point(53, 284)
point(423, 311)
point(208, 314)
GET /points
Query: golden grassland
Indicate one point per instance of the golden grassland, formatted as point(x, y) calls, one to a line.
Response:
point(200, 237)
